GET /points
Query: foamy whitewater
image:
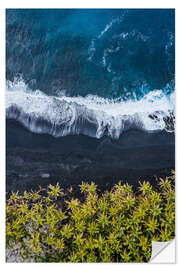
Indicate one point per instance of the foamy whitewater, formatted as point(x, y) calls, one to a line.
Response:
point(91, 115)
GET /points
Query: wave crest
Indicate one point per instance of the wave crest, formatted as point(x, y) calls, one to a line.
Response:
point(91, 115)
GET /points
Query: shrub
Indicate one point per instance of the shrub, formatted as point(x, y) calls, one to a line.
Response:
point(116, 226)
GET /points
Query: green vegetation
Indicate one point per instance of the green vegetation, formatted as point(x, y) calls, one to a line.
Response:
point(117, 226)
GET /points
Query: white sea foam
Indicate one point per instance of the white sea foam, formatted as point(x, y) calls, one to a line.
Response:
point(92, 48)
point(91, 115)
point(107, 27)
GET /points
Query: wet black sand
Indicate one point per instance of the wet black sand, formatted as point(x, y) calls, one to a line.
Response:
point(33, 160)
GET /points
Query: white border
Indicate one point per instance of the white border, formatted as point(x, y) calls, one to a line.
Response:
point(76, 4)
point(2, 136)
point(90, 4)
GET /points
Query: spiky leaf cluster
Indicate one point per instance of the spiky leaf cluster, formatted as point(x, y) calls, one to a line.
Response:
point(117, 226)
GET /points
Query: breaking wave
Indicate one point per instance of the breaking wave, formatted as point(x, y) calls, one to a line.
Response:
point(91, 115)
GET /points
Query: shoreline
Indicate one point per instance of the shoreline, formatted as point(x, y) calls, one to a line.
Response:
point(34, 160)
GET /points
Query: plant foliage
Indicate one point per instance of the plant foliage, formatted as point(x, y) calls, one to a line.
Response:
point(117, 226)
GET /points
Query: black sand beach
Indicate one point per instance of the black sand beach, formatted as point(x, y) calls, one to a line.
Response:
point(39, 160)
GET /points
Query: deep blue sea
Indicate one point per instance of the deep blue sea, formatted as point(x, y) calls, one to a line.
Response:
point(94, 72)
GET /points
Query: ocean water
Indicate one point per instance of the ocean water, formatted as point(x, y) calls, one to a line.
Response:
point(93, 72)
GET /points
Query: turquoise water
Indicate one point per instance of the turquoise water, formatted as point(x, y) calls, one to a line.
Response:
point(112, 53)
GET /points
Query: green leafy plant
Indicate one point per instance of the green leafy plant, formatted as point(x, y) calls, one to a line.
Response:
point(116, 226)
